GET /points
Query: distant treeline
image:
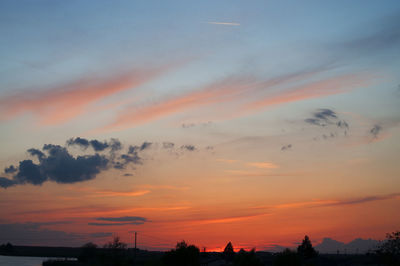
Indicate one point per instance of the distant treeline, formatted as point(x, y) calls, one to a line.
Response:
point(115, 253)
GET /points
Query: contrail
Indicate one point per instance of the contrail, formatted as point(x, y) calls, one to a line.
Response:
point(224, 23)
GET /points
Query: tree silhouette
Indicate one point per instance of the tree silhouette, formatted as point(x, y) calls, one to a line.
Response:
point(244, 258)
point(88, 252)
point(306, 249)
point(228, 250)
point(229, 253)
point(287, 257)
point(389, 250)
point(182, 255)
point(392, 244)
point(114, 254)
point(115, 244)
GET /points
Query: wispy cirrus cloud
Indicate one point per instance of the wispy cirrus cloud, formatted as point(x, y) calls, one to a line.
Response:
point(249, 92)
point(61, 103)
point(214, 93)
point(331, 202)
point(317, 89)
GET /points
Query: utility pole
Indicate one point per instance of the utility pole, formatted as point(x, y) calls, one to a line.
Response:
point(135, 239)
point(135, 248)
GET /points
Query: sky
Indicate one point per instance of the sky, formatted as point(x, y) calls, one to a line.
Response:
point(206, 121)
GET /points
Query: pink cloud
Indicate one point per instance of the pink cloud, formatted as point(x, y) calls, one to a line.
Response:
point(65, 102)
point(240, 91)
point(325, 87)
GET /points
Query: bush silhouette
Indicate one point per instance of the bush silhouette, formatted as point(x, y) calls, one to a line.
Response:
point(391, 245)
point(88, 253)
point(243, 258)
point(9, 248)
point(287, 258)
point(389, 250)
point(306, 249)
point(182, 255)
point(114, 253)
point(116, 244)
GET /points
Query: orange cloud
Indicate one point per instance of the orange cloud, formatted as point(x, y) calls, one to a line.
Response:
point(263, 165)
point(226, 160)
point(227, 219)
point(110, 193)
point(65, 102)
point(93, 211)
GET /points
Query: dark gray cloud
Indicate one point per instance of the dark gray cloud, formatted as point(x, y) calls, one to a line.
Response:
point(115, 224)
point(375, 130)
point(132, 155)
point(188, 147)
point(134, 149)
point(322, 117)
point(125, 159)
point(342, 124)
point(29, 172)
point(11, 169)
point(117, 221)
point(36, 152)
point(123, 219)
point(5, 182)
point(286, 147)
point(55, 163)
point(145, 145)
point(99, 146)
point(84, 143)
point(113, 144)
point(328, 118)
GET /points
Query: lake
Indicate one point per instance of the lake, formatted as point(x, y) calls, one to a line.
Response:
point(21, 261)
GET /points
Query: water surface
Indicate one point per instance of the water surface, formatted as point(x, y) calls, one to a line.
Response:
point(22, 261)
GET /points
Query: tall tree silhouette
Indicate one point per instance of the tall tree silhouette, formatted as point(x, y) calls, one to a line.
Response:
point(306, 249)
point(229, 253)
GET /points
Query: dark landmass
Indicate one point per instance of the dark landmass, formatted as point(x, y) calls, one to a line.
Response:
point(116, 253)
point(156, 258)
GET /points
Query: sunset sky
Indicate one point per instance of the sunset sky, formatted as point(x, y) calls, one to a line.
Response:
point(255, 122)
